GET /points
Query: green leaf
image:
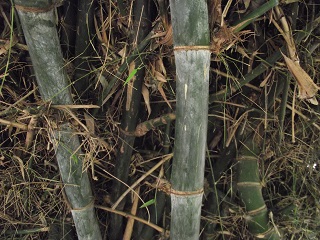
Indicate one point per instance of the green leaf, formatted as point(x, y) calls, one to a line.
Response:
point(75, 158)
point(131, 75)
point(73, 155)
point(150, 202)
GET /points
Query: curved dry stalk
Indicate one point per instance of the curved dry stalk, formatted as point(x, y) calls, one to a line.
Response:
point(127, 215)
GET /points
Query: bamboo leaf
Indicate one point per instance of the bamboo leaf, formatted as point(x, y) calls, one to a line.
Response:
point(150, 202)
point(72, 155)
point(146, 97)
point(163, 94)
point(307, 88)
point(254, 15)
point(160, 77)
point(131, 75)
point(89, 123)
point(75, 158)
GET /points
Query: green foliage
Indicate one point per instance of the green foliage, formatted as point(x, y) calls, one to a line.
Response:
point(148, 203)
point(131, 75)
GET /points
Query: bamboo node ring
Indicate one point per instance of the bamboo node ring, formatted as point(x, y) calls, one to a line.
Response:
point(37, 9)
point(88, 206)
point(186, 48)
point(186, 193)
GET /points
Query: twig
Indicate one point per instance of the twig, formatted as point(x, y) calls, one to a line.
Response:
point(168, 157)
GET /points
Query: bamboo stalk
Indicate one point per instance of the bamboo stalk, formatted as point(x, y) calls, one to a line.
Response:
point(83, 45)
point(38, 23)
point(131, 107)
point(250, 191)
point(156, 212)
point(192, 57)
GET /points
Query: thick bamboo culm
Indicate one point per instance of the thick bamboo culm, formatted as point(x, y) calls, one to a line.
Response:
point(192, 58)
point(38, 23)
point(250, 191)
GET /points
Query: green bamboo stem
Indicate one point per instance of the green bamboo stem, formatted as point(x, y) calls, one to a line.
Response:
point(131, 107)
point(68, 28)
point(83, 45)
point(250, 191)
point(38, 23)
point(192, 56)
point(283, 107)
point(77, 185)
point(38, 28)
point(156, 211)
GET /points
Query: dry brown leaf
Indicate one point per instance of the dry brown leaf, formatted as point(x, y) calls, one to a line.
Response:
point(30, 132)
point(160, 77)
point(7, 45)
point(129, 228)
point(286, 33)
point(161, 66)
point(89, 122)
point(122, 52)
point(146, 97)
point(168, 39)
point(4, 48)
point(21, 165)
point(242, 51)
point(163, 94)
point(215, 12)
point(307, 88)
point(266, 79)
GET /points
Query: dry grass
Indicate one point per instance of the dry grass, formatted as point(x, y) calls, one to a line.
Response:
point(31, 192)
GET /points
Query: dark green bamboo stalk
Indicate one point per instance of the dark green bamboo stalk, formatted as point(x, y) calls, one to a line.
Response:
point(68, 27)
point(38, 23)
point(121, 7)
point(192, 56)
point(250, 191)
point(142, 26)
point(84, 45)
point(156, 211)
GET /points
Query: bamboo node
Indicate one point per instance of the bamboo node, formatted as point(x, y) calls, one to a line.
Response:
point(244, 158)
point(186, 193)
point(257, 211)
point(249, 184)
point(127, 133)
point(187, 48)
point(88, 206)
point(37, 9)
